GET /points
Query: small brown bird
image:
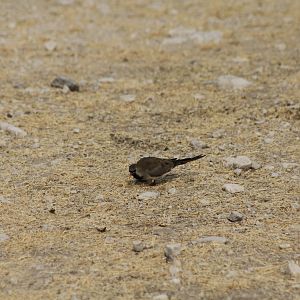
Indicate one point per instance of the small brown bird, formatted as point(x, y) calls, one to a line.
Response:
point(151, 168)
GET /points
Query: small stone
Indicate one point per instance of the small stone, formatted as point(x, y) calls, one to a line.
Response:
point(212, 239)
point(3, 237)
point(269, 167)
point(274, 174)
point(293, 269)
point(289, 165)
point(232, 82)
point(50, 46)
point(61, 81)
point(199, 97)
point(47, 227)
point(197, 144)
point(76, 130)
point(4, 200)
point(148, 195)
point(12, 129)
point(66, 2)
point(218, 134)
point(106, 80)
point(284, 246)
point(161, 297)
point(255, 165)
point(235, 216)
point(237, 172)
point(280, 46)
point(66, 89)
point(181, 35)
point(233, 188)
point(240, 162)
point(138, 246)
point(172, 191)
point(171, 251)
point(127, 98)
point(268, 140)
point(294, 205)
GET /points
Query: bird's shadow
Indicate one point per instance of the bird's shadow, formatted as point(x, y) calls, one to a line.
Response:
point(168, 177)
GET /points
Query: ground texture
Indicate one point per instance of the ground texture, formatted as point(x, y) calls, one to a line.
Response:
point(149, 75)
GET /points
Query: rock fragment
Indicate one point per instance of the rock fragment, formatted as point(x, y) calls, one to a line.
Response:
point(13, 129)
point(148, 195)
point(293, 269)
point(50, 46)
point(238, 162)
point(3, 237)
point(172, 251)
point(127, 98)
point(211, 239)
point(235, 216)
point(233, 188)
point(138, 246)
point(198, 144)
point(232, 82)
point(61, 81)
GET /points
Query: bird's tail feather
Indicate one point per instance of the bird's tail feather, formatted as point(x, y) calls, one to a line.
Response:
point(178, 162)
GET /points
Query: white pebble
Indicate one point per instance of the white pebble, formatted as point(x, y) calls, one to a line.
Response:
point(148, 195)
point(12, 129)
point(232, 82)
point(3, 237)
point(212, 239)
point(240, 162)
point(233, 188)
point(50, 46)
point(293, 269)
point(127, 98)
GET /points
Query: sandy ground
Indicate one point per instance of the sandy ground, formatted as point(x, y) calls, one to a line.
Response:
point(69, 211)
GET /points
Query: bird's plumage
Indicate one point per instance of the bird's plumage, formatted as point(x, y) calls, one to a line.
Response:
point(151, 168)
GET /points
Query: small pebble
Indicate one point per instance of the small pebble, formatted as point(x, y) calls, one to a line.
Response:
point(171, 251)
point(50, 46)
point(148, 195)
point(293, 269)
point(218, 134)
point(161, 297)
point(237, 172)
point(172, 191)
point(12, 129)
point(232, 82)
point(138, 246)
point(233, 188)
point(274, 175)
point(127, 98)
point(3, 237)
point(199, 97)
point(240, 162)
point(211, 239)
point(197, 144)
point(235, 216)
point(4, 200)
point(284, 246)
point(61, 81)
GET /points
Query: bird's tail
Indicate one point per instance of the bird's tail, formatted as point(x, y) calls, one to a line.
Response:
point(178, 162)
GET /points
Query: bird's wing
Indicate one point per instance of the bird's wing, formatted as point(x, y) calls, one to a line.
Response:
point(159, 169)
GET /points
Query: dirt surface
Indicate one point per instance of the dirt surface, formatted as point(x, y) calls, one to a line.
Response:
point(148, 74)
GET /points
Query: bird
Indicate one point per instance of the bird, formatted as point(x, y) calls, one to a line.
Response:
point(151, 168)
